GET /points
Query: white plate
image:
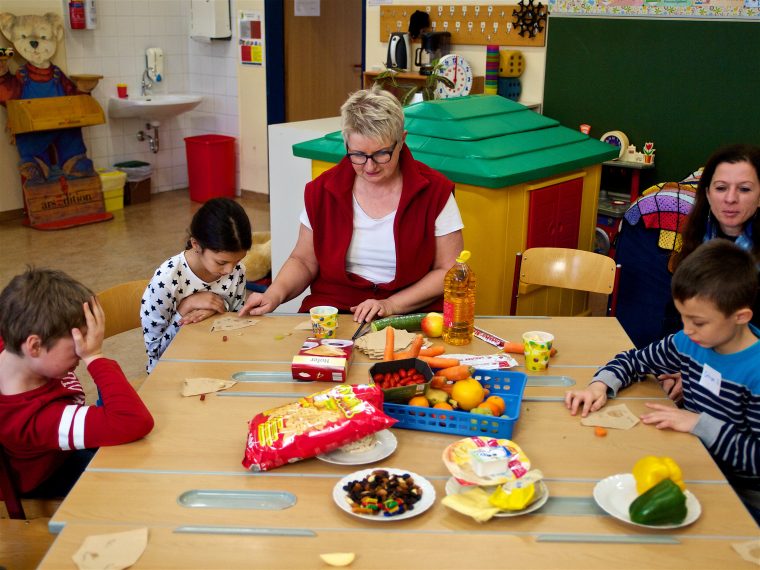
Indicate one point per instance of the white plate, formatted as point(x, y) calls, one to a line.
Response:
point(385, 444)
point(616, 493)
point(453, 488)
point(427, 500)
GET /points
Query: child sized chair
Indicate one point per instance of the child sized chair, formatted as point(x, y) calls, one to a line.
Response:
point(9, 490)
point(121, 305)
point(567, 269)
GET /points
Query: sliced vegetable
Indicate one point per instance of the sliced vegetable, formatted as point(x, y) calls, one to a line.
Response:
point(650, 470)
point(411, 322)
point(663, 504)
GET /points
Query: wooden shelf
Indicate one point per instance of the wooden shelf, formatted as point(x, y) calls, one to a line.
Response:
point(406, 80)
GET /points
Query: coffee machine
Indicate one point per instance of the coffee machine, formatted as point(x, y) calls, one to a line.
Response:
point(434, 46)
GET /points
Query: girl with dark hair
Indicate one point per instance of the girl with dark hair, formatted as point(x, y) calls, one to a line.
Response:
point(205, 279)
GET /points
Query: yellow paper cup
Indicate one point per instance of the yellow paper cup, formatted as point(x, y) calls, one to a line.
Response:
point(538, 345)
point(324, 321)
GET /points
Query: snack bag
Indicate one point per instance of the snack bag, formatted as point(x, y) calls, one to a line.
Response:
point(315, 424)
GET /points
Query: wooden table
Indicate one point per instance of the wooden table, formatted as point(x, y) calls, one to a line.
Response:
point(199, 445)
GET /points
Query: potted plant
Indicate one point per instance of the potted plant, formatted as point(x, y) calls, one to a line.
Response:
point(413, 93)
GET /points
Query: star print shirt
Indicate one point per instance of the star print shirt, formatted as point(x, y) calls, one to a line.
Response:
point(172, 282)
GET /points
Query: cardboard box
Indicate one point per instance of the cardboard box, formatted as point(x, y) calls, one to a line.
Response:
point(323, 359)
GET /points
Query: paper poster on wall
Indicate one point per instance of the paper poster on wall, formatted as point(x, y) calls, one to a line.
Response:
point(306, 7)
point(251, 38)
point(735, 9)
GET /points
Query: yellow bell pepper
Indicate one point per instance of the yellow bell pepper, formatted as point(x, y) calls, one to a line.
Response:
point(650, 470)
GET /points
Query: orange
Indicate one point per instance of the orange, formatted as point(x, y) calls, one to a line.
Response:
point(419, 401)
point(443, 406)
point(499, 401)
point(495, 410)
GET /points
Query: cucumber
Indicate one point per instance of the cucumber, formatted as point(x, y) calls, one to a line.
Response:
point(411, 322)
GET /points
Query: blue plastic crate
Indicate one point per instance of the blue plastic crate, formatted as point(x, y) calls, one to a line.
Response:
point(505, 383)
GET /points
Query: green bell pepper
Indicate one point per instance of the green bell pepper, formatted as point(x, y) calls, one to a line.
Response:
point(663, 504)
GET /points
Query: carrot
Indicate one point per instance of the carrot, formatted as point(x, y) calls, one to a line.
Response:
point(459, 372)
point(402, 355)
point(390, 334)
point(433, 351)
point(416, 346)
point(439, 362)
point(518, 348)
point(514, 347)
point(599, 431)
point(441, 383)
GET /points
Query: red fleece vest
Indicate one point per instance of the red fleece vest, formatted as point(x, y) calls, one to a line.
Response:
point(329, 206)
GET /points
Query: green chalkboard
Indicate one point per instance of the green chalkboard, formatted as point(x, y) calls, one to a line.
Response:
point(688, 86)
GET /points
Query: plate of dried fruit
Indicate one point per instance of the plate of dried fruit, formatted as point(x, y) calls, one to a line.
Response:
point(373, 494)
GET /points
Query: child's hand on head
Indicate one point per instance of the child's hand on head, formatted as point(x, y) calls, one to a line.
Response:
point(592, 398)
point(89, 345)
point(667, 417)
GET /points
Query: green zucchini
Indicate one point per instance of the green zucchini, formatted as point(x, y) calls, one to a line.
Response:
point(411, 322)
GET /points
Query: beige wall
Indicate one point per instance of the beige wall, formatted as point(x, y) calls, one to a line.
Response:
point(11, 197)
point(252, 89)
point(535, 58)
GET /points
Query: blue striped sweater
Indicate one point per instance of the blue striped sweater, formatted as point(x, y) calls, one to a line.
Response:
point(729, 423)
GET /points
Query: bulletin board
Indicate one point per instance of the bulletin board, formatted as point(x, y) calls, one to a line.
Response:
point(684, 85)
point(475, 24)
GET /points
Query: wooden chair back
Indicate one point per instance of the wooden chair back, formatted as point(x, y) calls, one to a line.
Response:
point(121, 304)
point(8, 488)
point(568, 269)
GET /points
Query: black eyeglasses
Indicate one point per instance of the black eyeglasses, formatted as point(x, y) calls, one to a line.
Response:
point(379, 157)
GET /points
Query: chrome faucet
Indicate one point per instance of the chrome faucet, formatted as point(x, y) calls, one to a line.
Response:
point(146, 84)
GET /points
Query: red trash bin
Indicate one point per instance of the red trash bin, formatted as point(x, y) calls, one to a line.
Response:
point(210, 166)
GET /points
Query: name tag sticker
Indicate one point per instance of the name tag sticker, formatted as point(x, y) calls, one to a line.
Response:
point(711, 379)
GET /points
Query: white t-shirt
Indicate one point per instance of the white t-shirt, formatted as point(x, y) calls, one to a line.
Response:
point(372, 252)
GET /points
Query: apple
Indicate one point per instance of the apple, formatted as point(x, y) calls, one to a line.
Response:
point(432, 325)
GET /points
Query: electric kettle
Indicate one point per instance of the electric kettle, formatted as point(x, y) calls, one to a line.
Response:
point(399, 51)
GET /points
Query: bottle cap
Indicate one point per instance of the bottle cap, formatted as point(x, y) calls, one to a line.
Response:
point(464, 256)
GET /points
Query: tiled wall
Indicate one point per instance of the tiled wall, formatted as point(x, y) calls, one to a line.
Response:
point(116, 50)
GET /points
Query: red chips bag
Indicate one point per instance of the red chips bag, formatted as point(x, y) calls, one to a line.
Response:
point(316, 424)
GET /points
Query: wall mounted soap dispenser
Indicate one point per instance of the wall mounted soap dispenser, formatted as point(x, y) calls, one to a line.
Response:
point(154, 63)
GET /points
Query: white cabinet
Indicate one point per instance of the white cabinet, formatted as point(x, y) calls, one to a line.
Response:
point(288, 175)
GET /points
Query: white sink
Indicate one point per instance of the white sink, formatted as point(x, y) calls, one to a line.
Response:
point(152, 107)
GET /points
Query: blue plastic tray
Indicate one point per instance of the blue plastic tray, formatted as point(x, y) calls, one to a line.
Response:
point(505, 383)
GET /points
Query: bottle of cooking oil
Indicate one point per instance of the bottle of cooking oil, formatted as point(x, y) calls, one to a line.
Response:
point(459, 302)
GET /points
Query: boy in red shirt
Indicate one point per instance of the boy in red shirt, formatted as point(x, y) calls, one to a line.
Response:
point(48, 322)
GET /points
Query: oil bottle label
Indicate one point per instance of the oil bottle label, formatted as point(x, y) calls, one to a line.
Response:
point(449, 314)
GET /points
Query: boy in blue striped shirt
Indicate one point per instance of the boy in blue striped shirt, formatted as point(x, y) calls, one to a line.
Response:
point(718, 356)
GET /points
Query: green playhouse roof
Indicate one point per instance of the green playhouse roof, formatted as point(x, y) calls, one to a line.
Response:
point(483, 140)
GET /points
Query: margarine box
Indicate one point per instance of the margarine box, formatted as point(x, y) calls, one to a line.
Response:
point(323, 359)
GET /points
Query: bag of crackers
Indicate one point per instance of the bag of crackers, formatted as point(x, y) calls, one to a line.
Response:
point(315, 424)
